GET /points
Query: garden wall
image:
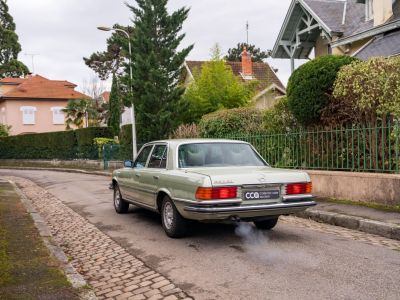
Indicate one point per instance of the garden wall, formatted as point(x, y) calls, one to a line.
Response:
point(83, 164)
point(367, 187)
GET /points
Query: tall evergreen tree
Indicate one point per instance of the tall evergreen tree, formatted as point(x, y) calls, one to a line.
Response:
point(9, 45)
point(115, 107)
point(110, 62)
point(235, 54)
point(157, 67)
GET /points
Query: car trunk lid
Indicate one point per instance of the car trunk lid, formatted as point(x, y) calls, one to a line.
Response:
point(245, 176)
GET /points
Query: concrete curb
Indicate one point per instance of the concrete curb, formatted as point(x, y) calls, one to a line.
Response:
point(388, 230)
point(76, 280)
point(90, 172)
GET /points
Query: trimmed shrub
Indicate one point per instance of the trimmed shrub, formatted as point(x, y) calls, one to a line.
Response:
point(52, 145)
point(310, 86)
point(227, 122)
point(85, 136)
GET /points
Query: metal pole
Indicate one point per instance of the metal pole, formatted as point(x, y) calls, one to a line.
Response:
point(134, 146)
point(291, 64)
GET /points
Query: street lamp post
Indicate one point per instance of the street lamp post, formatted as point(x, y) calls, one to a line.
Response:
point(103, 28)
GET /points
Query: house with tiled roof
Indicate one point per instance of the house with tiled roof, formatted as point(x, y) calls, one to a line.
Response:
point(34, 104)
point(269, 87)
point(359, 28)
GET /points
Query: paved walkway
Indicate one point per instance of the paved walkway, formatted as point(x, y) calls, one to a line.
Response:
point(110, 270)
point(369, 220)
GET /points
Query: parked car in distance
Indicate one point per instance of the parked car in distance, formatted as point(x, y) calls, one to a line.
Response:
point(209, 180)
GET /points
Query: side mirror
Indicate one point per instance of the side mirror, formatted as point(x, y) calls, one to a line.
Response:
point(128, 164)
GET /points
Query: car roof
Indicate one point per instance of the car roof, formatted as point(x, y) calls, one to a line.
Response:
point(196, 141)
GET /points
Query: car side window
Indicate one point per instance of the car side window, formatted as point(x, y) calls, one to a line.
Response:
point(158, 158)
point(141, 160)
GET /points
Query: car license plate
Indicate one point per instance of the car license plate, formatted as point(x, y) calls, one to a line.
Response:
point(261, 195)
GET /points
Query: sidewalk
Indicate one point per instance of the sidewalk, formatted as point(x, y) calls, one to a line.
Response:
point(356, 217)
point(113, 272)
point(30, 264)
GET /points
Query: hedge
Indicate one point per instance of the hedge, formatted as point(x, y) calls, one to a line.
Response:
point(53, 145)
point(85, 140)
point(310, 87)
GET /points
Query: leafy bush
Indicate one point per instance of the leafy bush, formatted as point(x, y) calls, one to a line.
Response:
point(186, 131)
point(279, 118)
point(4, 130)
point(85, 137)
point(310, 86)
point(231, 121)
point(100, 142)
point(367, 91)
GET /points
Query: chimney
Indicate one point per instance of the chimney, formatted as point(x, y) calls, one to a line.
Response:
point(382, 11)
point(247, 65)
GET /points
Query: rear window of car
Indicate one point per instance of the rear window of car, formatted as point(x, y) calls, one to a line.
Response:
point(217, 155)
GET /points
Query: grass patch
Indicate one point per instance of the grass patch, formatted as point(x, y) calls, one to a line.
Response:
point(27, 271)
point(381, 207)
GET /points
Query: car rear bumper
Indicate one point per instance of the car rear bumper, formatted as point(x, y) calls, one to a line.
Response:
point(246, 208)
point(202, 213)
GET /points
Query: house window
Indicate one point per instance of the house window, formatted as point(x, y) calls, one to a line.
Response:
point(58, 115)
point(28, 115)
point(3, 115)
point(369, 10)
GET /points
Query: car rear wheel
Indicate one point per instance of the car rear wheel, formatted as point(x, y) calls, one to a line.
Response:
point(120, 205)
point(266, 224)
point(175, 226)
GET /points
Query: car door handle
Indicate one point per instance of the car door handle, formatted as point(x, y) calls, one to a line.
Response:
point(137, 175)
point(156, 177)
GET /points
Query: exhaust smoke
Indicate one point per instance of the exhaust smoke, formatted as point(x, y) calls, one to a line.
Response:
point(250, 234)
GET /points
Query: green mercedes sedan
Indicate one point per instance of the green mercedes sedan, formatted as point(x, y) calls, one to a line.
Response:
point(209, 180)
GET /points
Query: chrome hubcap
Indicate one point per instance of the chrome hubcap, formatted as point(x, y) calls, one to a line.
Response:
point(117, 198)
point(168, 215)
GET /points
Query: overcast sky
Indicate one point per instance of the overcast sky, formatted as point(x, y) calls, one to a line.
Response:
point(61, 32)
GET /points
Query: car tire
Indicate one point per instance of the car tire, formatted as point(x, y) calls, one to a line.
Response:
point(120, 205)
point(175, 226)
point(266, 224)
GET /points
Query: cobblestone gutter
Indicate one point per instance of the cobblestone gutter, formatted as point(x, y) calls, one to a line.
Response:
point(107, 267)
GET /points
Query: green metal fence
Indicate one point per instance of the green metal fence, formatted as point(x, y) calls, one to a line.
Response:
point(116, 152)
point(359, 148)
point(356, 148)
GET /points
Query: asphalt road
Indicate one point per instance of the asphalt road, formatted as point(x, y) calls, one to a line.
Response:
point(290, 262)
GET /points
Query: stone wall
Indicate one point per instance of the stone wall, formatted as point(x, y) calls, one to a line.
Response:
point(85, 164)
point(367, 187)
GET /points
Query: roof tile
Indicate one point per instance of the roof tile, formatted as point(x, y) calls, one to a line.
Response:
point(38, 87)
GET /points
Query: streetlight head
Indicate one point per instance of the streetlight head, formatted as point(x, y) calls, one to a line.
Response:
point(104, 28)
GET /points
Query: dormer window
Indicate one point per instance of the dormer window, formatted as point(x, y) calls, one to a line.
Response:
point(369, 10)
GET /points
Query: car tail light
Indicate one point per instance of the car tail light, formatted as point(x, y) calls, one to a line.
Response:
point(298, 188)
point(206, 193)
